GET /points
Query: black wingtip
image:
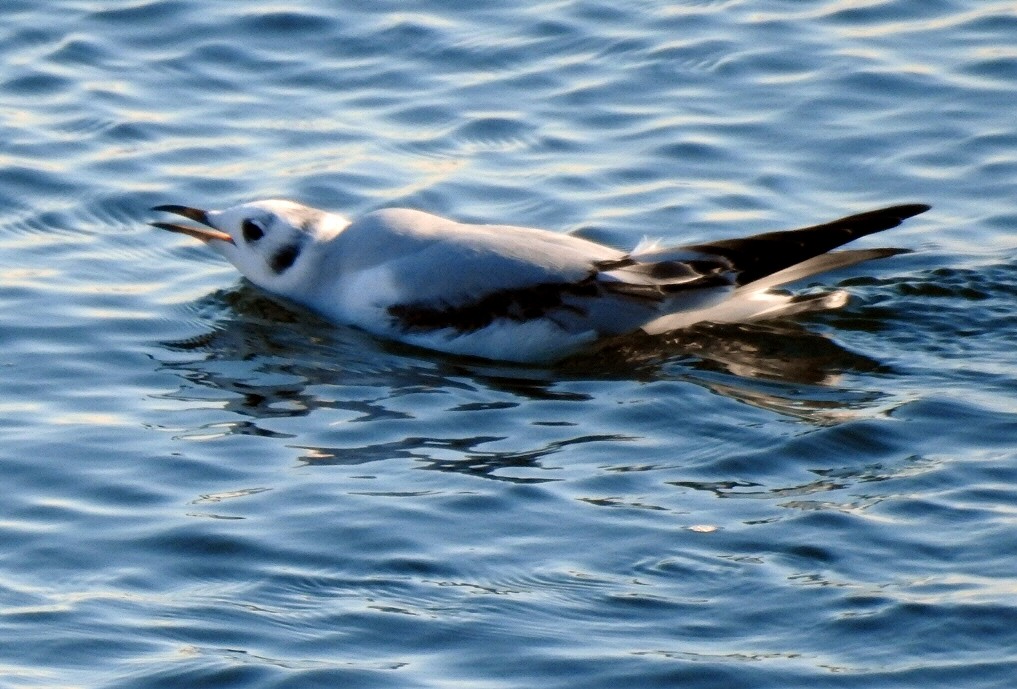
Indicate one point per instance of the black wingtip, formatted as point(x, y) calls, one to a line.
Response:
point(870, 222)
point(909, 210)
point(760, 255)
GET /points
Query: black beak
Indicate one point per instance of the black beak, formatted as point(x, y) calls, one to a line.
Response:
point(197, 215)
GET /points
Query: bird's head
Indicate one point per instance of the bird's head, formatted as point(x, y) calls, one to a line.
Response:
point(270, 242)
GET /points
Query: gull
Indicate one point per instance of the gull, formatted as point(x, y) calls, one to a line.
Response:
point(520, 294)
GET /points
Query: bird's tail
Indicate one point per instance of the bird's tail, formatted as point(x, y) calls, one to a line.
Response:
point(762, 255)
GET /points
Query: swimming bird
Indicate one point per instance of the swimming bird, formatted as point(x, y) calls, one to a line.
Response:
point(519, 294)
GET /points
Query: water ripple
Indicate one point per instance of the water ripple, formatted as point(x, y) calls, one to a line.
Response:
point(208, 486)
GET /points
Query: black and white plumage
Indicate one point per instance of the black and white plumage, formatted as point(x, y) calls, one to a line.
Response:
point(515, 293)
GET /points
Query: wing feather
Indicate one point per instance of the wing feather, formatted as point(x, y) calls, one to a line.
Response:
point(761, 255)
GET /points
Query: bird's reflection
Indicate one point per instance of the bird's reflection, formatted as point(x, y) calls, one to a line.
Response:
point(779, 351)
point(469, 456)
point(264, 361)
point(778, 366)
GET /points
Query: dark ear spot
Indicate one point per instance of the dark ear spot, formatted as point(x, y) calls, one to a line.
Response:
point(284, 258)
point(252, 231)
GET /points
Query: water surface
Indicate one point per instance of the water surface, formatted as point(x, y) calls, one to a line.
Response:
point(205, 487)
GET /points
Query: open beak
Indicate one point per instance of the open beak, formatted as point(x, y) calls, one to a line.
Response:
point(197, 215)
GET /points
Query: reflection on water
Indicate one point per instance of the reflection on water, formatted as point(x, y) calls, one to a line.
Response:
point(263, 360)
point(467, 455)
point(778, 351)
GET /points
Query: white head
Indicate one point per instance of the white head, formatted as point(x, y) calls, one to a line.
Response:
point(272, 243)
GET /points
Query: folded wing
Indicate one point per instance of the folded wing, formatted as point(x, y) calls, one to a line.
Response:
point(446, 276)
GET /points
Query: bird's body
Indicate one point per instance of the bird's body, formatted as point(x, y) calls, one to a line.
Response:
point(514, 293)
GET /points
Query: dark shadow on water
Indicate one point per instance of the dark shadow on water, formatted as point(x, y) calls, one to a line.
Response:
point(265, 361)
point(471, 458)
point(780, 366)
point(783, 353)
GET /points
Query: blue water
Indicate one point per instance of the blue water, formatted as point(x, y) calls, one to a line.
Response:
point(205, 487)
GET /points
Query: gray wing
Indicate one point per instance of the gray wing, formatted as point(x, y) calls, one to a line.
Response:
point(453, 275)
point(442, 274)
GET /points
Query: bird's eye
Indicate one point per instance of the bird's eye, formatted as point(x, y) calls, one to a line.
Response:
point(252, 232)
